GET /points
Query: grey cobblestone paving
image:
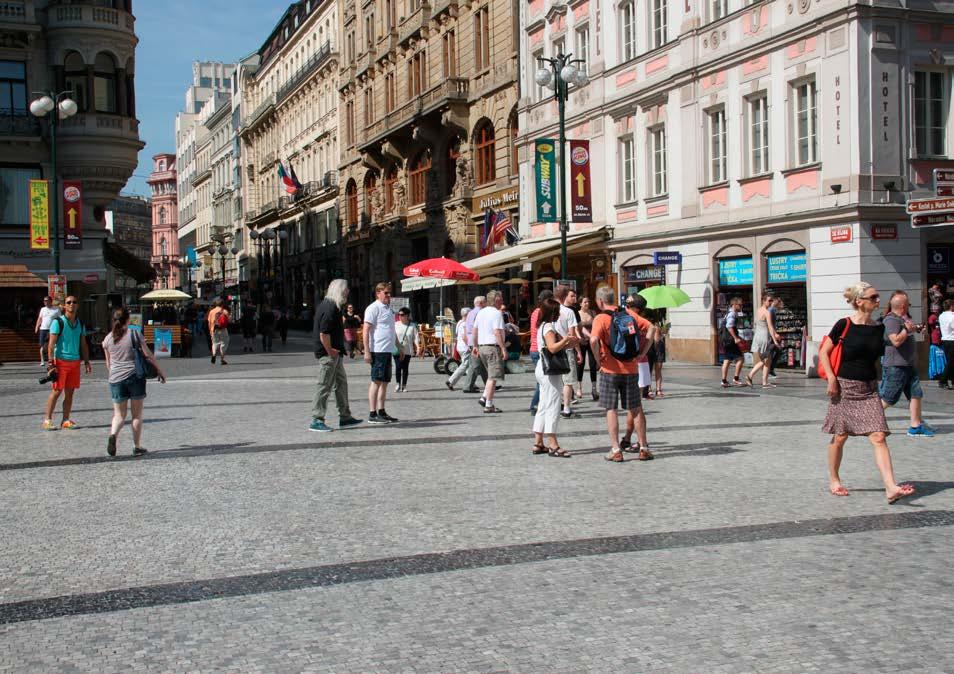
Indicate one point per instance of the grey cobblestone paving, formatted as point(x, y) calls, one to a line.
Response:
point(240, 487)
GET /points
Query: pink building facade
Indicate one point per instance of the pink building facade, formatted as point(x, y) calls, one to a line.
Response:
point(165, 221)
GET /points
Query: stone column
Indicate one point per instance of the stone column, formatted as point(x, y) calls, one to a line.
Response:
point(121, 92)
point(91, 88)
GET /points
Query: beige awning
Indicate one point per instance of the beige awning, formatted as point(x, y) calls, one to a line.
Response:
point(531, 251)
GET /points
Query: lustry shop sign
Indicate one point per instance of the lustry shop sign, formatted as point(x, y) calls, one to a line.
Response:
point(789, 268)
point(737, 271)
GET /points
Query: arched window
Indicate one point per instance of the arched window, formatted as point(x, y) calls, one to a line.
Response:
point(351, 203)
point(418, 178)
point(74, 72)
point(514, 155)
point(370, 187)
point(390, 180)
point(484, 144)
point(104, 86)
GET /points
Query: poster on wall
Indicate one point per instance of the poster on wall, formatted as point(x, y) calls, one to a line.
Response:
point(162, 342)
point(543, 164)
point(72, 214)
point(39, 215)
point(789, 268)
point(580, 189)
point(736, 271)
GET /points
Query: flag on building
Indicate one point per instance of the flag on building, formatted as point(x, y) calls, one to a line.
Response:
point(502, 225)
point(287, 181)
point(487, 234)
point(291, 169)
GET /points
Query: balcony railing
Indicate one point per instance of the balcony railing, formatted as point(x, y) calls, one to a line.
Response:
point(18, 124)
point(91, 14)
point(269, 102)
point(452, 89)
point(305, 71)
point(14, 11)
point(414, 23)
point(100, 124)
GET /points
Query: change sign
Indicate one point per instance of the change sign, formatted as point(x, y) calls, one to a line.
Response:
point(545, 172)
point(580, 190)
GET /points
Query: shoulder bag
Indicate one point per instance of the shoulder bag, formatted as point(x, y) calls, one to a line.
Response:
point(835, 355)
point(553, 363)
point(144, 367)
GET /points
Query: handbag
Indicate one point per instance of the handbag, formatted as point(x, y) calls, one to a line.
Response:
point(144, 367)
point(835, 356)
point(554, 363)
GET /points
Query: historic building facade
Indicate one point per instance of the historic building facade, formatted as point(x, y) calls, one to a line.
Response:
point(428, 127)
point(89, 50)
point(290, 119)
point(761, 145)
point(165, 222)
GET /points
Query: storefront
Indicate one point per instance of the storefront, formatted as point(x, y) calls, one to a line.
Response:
point(786, 275)
point(638, 277)
point(736, 275)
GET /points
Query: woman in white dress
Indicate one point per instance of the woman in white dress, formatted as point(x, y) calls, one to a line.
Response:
point(551, 385)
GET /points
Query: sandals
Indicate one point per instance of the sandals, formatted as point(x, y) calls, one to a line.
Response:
point(748, 381)
point(904, 490)
point(559, 452)
point(615, 455)
point(539, 449)
point(659, 393)
point(840, 490)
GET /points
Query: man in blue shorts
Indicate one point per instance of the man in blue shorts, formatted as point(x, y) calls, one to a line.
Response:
point(899, 367)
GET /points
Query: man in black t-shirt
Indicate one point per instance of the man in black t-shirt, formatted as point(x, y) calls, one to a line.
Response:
point(329, 345)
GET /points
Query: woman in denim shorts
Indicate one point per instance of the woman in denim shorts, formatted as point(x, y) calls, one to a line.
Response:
point(124, 384)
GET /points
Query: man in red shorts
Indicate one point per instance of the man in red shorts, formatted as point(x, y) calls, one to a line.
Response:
point(67, 346)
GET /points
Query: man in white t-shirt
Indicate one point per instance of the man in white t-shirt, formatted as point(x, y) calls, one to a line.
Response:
point(47, 313)
point(568, 326)
point(379, 342)
point(491, 349)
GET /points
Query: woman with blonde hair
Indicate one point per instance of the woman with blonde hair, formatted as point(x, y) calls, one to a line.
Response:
point(855, 407)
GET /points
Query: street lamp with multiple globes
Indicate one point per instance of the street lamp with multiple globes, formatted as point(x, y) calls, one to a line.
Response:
point(561, 73)
point(65, 107)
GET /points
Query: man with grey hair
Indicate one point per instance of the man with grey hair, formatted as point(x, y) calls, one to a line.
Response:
point(329, 345)
point(474, 366)
point(900, 365)
point(462, 346)
point(491, 349)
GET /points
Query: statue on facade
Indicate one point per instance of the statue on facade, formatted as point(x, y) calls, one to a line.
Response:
point(377, 206)
point(400, 192)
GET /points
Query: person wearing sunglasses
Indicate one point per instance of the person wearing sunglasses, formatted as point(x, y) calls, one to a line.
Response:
point(66, 348)
point(855, 404)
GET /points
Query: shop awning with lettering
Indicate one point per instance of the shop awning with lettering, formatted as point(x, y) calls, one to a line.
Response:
point(533, 250)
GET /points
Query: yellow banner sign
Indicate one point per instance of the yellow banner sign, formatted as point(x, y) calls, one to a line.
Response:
point(39, 214)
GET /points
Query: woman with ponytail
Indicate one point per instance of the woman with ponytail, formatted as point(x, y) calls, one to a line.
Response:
point(124, 383)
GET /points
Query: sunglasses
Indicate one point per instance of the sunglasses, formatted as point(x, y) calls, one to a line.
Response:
point(71, 303)
point(872, 298)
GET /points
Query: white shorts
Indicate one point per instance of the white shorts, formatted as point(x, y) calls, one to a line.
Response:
point(645, 375)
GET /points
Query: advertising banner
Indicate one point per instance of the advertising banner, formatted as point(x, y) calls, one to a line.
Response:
point(56, 288)
point(162, 342)
point(544, 165)
point(736, 271)
point(580, 188)
point(39, 215)
point(72, 214)
point(786, 268)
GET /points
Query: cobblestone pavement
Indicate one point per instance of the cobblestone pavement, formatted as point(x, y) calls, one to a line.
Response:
point(245, 543)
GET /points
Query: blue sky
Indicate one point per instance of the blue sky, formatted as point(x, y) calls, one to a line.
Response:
point(173, 34)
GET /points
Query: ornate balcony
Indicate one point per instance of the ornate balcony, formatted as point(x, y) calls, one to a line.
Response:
point(415, 23)
point(113, 140)
point(300, 75)
point(17, 124)
point(91, 14)
point(450, 91)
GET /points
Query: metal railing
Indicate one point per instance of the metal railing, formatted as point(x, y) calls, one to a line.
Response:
point(260, 110)
point(13, 12)
point(18, 124)
point(304, 71)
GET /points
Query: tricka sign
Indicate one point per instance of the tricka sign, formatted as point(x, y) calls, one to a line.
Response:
point(545, 174)
point(72, 214)
point(581, 192)
point(736, 271)
point(789, 268)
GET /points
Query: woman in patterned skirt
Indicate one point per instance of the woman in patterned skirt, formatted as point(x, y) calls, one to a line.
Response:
point(855, 407)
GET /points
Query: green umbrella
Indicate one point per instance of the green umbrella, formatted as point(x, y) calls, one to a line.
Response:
point(664, 297)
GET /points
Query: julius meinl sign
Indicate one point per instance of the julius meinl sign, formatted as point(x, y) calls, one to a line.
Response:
point(544, 172)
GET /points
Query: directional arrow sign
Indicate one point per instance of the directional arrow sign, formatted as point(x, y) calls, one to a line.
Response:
point(580, 184)
point(932, 219)
point(71, 217)
point(72, 214)
point(582, 199)
point(922, 205)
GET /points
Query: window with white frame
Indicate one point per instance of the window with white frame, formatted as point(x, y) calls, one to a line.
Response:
point(758, 134)
point(718, 9)
point(627, 30)
point(931, 111)
point(717, 146)
point(627, 169)
point(660, 23)
point(806, 121)
point(582, 48)
point(559, 47)
point(539, 92)
point(657, 145)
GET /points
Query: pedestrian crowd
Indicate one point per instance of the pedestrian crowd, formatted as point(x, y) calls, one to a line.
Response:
point(623, 345)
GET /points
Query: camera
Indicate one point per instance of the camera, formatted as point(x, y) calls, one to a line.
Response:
point(50, 376)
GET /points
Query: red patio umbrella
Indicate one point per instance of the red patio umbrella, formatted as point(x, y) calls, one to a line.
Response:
point(441, 268)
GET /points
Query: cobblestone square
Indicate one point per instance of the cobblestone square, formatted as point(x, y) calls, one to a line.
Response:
point(245, 543)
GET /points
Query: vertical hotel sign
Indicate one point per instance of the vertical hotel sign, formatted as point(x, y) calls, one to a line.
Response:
point(72, 214)
point(580, 189)
point(39, 214)
point(545, 172)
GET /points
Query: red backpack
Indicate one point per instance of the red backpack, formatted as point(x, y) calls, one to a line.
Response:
point(222, 320)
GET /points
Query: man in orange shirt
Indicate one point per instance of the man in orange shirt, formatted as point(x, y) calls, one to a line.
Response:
point(220, 335)
point(619, 381)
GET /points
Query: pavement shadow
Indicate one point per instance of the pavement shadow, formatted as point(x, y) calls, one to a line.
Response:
point(145, 421)
point(666, 452)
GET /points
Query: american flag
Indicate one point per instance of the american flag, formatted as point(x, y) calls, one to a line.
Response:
point(502, 225)
point(487, 234)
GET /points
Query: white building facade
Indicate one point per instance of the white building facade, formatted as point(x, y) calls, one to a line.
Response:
point(772, 145)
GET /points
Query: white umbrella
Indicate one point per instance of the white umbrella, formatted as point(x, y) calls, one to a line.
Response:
point(166, 295)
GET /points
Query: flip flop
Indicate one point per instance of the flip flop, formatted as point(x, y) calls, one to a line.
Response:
point(841, 490)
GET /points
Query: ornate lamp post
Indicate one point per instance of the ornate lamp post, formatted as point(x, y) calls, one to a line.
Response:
point(186, 266)
point(65, 107)
point(561, 73)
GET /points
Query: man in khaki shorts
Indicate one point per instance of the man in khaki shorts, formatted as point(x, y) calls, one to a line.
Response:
point(490, 346)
